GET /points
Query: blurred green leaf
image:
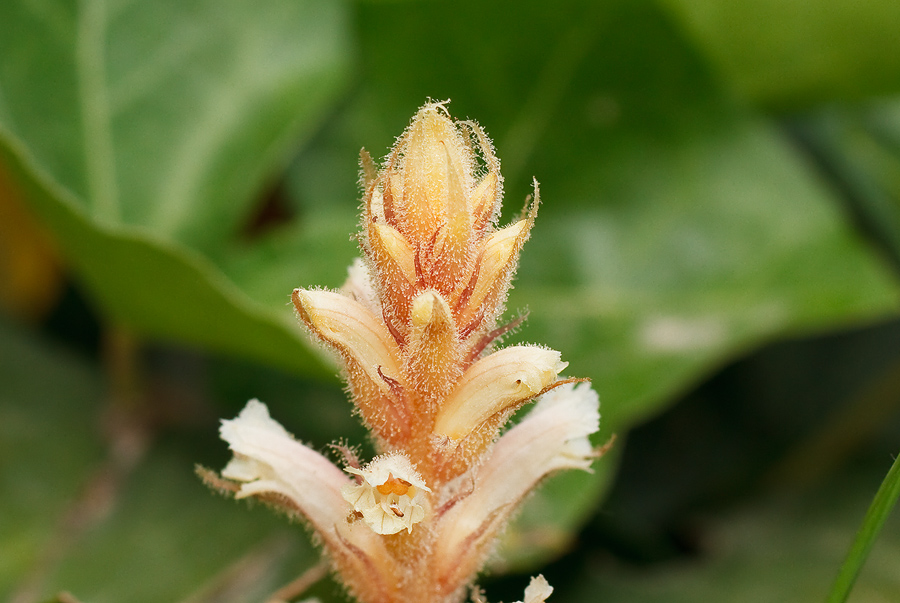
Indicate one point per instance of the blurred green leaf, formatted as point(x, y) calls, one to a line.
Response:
point(163, 290)
point(797, 54)
point(745, 245)
point(783, 548)
point(144, 131)
point(170, 539)
point(858, 149)
point(69, 524)
point(48, 444)
point(168, 115)
point(677, 229)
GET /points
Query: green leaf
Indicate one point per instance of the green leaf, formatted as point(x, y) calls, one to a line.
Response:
point(876, 516)
point(677, 229)
point(745, 245)
point(166, 291)
point(797, 54)
point(168, 115)
point(144, 130)
point(170, 539)
point(859, 151)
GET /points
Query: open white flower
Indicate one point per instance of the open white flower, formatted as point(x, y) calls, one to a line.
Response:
point(390, 496)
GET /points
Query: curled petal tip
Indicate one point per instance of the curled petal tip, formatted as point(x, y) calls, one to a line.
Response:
point(497, 383)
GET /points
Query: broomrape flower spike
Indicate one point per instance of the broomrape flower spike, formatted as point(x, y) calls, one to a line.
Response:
point(415, 329)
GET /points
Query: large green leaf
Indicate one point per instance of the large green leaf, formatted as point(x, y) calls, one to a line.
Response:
point(797, 54)
point(859, 150)
point(144, 131)
point(170, 539)
point(677, 229)
point(167, 291)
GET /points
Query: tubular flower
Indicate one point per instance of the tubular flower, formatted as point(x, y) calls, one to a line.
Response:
point(415, 328)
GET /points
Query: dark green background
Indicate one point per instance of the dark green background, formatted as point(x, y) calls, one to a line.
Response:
point(717, 178)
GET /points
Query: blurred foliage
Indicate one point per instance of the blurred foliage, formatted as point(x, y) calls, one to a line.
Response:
point(194, 161)
point(781, 549)
point(33, 279)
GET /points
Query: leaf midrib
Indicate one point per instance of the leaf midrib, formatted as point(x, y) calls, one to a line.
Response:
point(90, 64)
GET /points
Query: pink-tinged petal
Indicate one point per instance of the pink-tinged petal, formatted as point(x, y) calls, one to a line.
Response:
point(553, 436)
point(270, 464)
point(358, 286)
point(269, 460)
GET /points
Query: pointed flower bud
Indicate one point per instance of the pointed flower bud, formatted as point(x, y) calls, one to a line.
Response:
point(368, 351)
point(433, 358)
point(428, 223)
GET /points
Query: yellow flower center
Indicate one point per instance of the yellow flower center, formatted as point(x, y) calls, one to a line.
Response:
point(394, 485)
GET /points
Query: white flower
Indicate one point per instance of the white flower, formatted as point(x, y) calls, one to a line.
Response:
point(391, 495)
point(538, 590)
point(553, 436)
point(268, 460)
point(269, 464)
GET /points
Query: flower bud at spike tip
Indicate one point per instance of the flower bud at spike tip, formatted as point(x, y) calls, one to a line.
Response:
point(415, 331)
